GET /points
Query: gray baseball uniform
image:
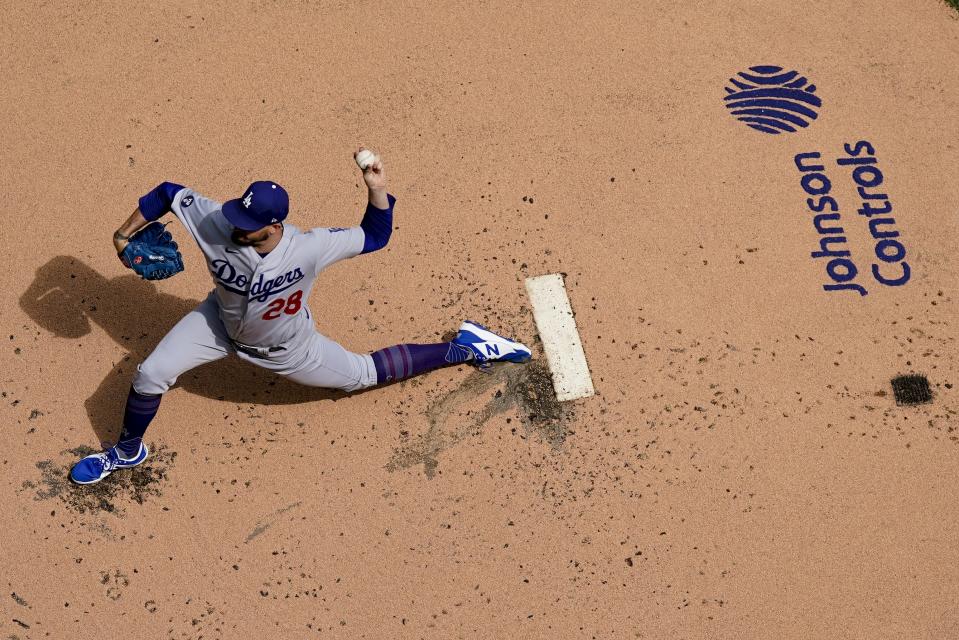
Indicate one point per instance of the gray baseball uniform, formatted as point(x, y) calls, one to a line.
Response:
point(258, 309)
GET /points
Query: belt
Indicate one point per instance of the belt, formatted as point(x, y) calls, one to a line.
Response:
point(256, 352)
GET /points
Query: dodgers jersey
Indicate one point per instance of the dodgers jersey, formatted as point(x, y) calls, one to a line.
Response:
point(263, 300)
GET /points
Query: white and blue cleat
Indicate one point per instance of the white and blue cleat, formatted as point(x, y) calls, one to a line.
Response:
point(489, 347)
point(98, 466)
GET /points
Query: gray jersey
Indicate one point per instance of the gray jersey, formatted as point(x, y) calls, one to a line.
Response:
point(263, 300)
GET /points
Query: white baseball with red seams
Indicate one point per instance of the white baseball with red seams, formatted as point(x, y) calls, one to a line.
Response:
point(365, 158)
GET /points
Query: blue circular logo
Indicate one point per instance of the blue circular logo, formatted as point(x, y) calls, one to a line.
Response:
point(772, 100)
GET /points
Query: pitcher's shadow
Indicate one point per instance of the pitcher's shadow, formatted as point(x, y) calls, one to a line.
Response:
point(66, 296)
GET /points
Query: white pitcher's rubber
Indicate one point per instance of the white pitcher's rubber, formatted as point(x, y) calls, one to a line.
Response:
point(557, 330)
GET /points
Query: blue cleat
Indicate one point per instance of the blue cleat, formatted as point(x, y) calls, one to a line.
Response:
point(488, 347)
point(98, 466)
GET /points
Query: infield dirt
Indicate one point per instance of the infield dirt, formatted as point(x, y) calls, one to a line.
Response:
point(742, 472)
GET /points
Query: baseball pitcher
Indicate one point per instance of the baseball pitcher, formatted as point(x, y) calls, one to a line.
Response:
point(263, 270)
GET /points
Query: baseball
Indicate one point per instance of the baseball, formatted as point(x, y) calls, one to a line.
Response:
point(365, 158)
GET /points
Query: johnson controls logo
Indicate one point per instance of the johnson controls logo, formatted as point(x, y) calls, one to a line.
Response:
point(772, 100)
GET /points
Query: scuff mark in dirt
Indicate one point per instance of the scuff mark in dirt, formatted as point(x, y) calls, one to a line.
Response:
point(20, 600)
point(527, 388)
point(267, 522)
point(110, 494)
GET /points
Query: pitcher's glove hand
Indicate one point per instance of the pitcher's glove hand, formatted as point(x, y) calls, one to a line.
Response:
point(152, 253)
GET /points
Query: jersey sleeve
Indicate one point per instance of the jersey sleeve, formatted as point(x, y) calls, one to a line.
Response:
point(377, 225)
point(332, 244)
point(158, 200)
point(192, 209)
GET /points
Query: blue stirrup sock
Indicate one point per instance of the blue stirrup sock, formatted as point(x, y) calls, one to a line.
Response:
point(405, 360)
point(140, 410)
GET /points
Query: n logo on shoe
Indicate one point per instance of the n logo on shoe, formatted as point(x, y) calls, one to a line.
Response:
point(492, 349)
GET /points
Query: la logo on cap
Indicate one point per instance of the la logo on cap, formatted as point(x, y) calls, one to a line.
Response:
point(248, 200)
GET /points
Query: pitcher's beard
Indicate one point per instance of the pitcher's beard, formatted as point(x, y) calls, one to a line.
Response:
point(245, 239)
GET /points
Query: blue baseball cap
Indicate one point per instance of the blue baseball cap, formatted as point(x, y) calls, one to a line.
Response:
point(264, 203)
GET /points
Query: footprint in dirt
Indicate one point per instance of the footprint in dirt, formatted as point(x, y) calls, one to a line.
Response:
point(111, 494)
point(528, 388)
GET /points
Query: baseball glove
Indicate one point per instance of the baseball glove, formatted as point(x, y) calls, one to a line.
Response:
point(152, 253)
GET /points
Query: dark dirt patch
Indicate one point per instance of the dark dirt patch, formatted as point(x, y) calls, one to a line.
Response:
point(527, 388)
point(109, 495)
point(911, 390)
point(115, 583)
point(533, 392)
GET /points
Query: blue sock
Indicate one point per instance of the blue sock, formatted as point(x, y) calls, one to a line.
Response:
point(405, 360)
point(140, 410)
